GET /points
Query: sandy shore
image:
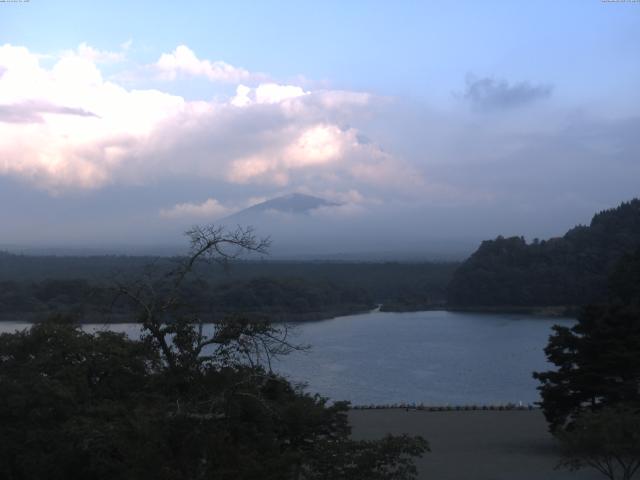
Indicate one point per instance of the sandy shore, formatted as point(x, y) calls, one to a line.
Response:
point(474, 445)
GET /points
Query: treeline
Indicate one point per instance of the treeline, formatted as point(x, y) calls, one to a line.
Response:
point(270, 298)
point(53, 295)
point(85, 286)
point(571, 270)
point(279, 298)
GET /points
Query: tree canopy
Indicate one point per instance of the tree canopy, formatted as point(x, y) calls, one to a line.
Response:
point(607, 440)
point(177, 403)
point(598, 364)
point(592, 399)
point(568, 270)
point(598, 359)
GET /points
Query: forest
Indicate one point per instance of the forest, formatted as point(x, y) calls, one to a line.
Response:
point(35, 286)
point(571, 270)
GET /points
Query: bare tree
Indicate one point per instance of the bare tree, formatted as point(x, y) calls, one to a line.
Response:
point(178, 331)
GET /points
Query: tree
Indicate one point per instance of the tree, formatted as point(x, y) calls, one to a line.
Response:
point(69, 401)
point(598, 364)
point(178, 404)
point(592, 399)
point(607, 440)
point(598, 359)
point(624, 283)
point(571, 270)
point(175, 328)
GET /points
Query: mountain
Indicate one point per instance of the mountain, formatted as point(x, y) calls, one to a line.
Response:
point(305, 227)
point(567, 270)
point(294, 203)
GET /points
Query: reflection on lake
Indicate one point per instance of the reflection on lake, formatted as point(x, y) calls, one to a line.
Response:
point(431, 357)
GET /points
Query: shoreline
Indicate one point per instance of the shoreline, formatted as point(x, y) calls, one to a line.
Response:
point(89, 318)
point(307, 317)
point(560, 311)
point(498, 407)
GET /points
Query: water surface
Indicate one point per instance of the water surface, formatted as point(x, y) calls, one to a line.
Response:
point(433, 357)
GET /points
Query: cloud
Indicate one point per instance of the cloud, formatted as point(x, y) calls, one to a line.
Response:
point(492, 94)
point(32, 112)
point(78, 130)
point(350, 203)
point(92, 54)
point(317, 145)
point(340, 98)
point(320, 155)
point(314, 146)
point(66, 126)
point(210, 209)
point(184, 61)
point(266, 93)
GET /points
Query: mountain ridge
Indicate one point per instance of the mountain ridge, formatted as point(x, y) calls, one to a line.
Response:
point(292, 203)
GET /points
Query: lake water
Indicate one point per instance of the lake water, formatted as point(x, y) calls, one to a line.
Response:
point(435, 357)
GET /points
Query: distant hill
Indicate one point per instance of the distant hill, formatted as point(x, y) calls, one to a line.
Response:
point(569, 270)
point(295, 204)
point(305, 227)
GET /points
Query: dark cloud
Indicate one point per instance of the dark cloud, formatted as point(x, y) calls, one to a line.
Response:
point(492, 94)
point(31, 112)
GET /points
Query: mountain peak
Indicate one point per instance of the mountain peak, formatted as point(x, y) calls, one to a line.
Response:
point(293, 203)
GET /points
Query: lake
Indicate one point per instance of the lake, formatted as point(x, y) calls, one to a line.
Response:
point(434, 357)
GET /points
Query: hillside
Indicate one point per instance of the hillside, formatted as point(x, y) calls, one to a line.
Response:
point(295, 204)
point(569, 270)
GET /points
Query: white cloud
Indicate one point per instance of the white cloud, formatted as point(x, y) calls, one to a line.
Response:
point(92, 54)
point(266, 93)
point(184, 61)
point(60, 151)
point(67, 127)
point(321, 149)
point(242, 98)
point(210, 209)
point(338, 98)
point(318, 145)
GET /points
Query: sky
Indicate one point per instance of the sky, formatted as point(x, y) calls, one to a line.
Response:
point(127, 122)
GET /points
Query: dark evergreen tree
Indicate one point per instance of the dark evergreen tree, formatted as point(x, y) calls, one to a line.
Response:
point(598, 359)
point(592, 399)
point(597, 364)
